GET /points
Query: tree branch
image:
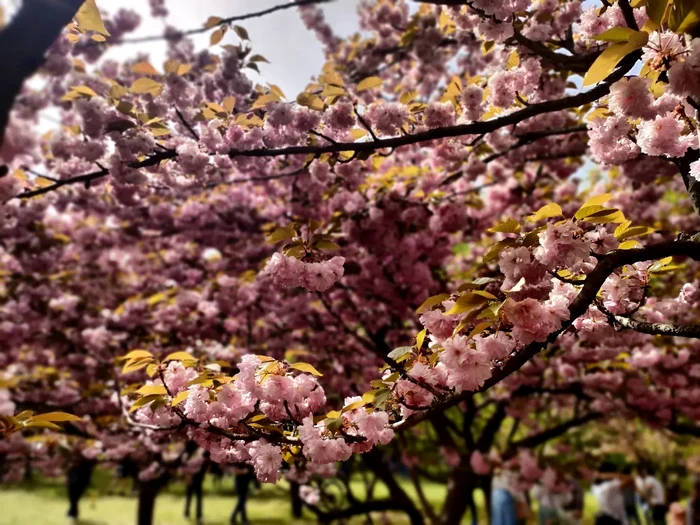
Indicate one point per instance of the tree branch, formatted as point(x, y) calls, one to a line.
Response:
point(23, 44)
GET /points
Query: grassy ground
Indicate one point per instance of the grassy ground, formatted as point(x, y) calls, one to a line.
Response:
point(45, 503)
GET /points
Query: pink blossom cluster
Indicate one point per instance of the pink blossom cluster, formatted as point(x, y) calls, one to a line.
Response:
point(290, 272)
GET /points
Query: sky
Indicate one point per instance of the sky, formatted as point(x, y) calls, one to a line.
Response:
point(294, 53)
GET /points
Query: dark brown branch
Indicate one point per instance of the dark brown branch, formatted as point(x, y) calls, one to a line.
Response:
point(23, 44)
point(607, 264)
point(186, 124)
point(551, 433)
point(669, 330)
point(229, 20)
point(474, 128)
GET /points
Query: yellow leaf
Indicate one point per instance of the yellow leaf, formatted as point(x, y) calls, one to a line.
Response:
point(180, 398)
point(478, 329)
point(332, 91)
point(180, 356)
point(635, 231)
point(55, 417)
point(264, 100)
point(310, 101)
point(358, 133)
point(144, 68)
point(150, 390)
point(306, 367)
point(73, 38)
point(513, 59)
point(628, 245)
point(369, 83)
point(684, 16)
point(183, 69)
point(229, 104)
point(598, 200)
point(146, 85)
point(420, 338)
point(42, 424)
point(138, 354)
point(89, 18)
point(546, 212)
point(98, 38)
point(156, 298)
point(605, 64)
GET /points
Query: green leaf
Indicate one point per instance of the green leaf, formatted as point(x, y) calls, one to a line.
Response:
point(608, 60)
point(306, 367)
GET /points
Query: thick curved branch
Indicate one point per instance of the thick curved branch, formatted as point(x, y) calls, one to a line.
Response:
point(24, 42)
point(544, 436)
point(475, 128)
point(607, 264)
point(670, 330)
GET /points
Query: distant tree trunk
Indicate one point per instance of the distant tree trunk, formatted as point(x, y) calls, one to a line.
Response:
point(460, 492)
point(148, 491)
point(297, 503)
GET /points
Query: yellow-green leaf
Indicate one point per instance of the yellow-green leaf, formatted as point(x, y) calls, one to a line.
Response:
point(430, 302)
point(467, 302)
point(507, 226)
point(310, 101)
point(616, 34)
point(55, 417)
point(42, 424)
point(546, 212)
point(608, 60)
point(89, 18)
point(369, 83)
point(656, 9)
point(138, 354)
point(281, 234)
point(629, 245)
point(685, 16)
point(635, 231)
point(306, 367)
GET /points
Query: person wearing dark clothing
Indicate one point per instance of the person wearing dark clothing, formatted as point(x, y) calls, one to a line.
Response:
point(194, 488)
point(629, 495)
point(78, 480)
point(244, 476)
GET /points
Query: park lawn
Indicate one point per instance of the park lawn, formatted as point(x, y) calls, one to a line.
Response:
point(45, 503)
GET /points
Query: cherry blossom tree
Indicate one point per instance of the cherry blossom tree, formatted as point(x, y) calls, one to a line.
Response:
point(473, 231)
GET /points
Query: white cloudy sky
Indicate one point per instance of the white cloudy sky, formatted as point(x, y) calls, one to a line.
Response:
point(294, 53)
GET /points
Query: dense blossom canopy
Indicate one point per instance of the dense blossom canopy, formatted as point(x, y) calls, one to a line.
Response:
point(478, 201)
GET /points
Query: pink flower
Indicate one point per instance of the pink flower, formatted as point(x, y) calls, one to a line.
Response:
point(439, 324)
point(662, 136)
point(609, 140)
point(467, 368)
point(558, 247)
point(290, 272)
point(496, 346)
point(479, 463)
point(630, 97)
point(388, 118)
point(267, 460)
point(531, 320)
point(439, 114)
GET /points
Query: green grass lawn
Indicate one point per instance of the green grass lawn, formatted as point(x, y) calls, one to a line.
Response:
point(45, 503)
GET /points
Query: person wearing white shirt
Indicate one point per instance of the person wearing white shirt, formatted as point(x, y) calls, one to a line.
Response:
point(608, 492)
point(653, 493)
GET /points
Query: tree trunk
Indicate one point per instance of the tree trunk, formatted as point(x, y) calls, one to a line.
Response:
point(297, 503)
point(148, 490)
point(460, 491)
